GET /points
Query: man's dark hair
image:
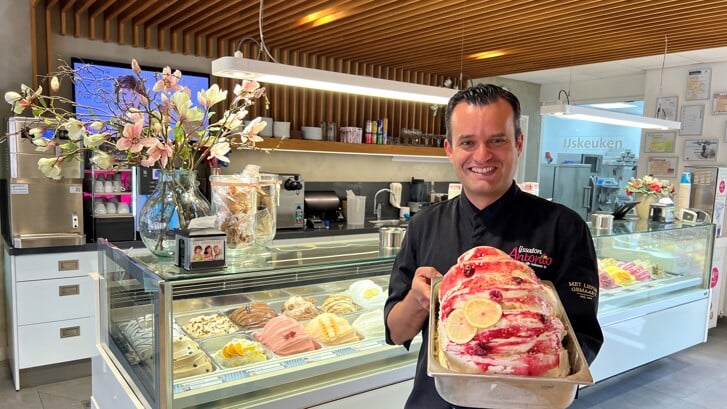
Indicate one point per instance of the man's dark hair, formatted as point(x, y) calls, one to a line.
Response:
point(482, 94)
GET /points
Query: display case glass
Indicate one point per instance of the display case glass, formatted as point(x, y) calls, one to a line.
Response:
point(642, 264)
point(178, 335)
point(156, 319)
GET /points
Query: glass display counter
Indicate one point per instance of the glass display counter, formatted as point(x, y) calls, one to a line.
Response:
point(654, 291)
point(167, 332)
point(174, 338)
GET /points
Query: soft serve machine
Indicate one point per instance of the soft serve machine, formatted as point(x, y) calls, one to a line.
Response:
point(608, 185)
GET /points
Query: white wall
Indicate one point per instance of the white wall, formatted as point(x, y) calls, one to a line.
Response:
point(674, 83)
point(626, 88)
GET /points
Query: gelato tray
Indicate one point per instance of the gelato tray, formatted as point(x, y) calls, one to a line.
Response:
point(506, 391)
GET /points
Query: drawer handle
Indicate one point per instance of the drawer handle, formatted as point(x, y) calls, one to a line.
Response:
point(67, 265)
point(70, 332)
point(64, 290)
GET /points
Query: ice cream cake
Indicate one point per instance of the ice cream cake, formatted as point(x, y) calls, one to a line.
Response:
point(496, 317)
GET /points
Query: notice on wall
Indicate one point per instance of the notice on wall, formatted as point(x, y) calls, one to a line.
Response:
point(698, 84)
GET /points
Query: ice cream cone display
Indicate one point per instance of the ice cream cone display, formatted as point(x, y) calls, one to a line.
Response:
point(613, 273)
point(240, 351)
point(253, 315)
point(211, 325)
point(331, 329)
point(339, 304)
point(370, 324)
point(300, 308)
point(496, 317)
point(188, 359)
point(367, 294)
point(285, 336)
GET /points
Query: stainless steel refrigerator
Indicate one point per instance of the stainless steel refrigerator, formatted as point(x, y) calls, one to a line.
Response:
point(567, 184)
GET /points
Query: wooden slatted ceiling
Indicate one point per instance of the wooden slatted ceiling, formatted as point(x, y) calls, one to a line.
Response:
point(433, 36)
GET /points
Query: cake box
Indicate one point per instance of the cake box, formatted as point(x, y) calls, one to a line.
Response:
point(506, 391)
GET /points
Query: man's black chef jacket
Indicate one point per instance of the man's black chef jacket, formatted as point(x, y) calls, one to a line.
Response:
point(552, 239)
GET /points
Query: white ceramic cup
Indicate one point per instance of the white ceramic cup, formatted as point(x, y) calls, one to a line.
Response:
point(404, 212)
point(281, 129)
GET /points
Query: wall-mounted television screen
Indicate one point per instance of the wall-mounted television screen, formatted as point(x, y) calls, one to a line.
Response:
point(93, 88)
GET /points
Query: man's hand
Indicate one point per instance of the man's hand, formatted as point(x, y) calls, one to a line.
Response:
point(421, 285)
point(408, 316)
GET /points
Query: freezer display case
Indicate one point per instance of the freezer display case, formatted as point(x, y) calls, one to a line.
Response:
point(301, 317)
point(175, 339)
point(654, 291)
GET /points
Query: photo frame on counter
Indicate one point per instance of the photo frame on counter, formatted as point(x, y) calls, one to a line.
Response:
point(666, 108)
point(700, 150)
point(719, 103)
point(698, 83)
point(692, 118)
point(660, 142)
point(664, 166)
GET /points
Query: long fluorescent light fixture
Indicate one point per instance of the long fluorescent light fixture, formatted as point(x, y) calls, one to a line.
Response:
point(283, 74)
point(567, 111)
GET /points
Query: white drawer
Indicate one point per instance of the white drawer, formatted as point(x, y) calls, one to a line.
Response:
point(55, 265)
point(54, 342)
point(54, 300)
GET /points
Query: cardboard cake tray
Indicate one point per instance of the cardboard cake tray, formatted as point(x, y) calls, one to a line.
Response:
point(506, 391)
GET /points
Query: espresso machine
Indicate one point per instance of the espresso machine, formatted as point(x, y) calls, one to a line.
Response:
point(38, 211)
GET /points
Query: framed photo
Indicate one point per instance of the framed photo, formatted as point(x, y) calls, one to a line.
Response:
point(692, 119)
point(666, 108)
point(698, 82)
point(660, 142)
point(701, 149)
point(719, 103)
point(662, 166)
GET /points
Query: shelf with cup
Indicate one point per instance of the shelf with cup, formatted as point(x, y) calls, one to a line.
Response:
point(304, 145)
point(109, 204)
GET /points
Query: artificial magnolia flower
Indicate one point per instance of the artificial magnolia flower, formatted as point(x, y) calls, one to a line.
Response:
point(211, 96)
point(168, 82)
point(160, 152)
point(55, 84)
point(76, 129)
point(102, 159)
point(132, 140)
point(94, 140)
point(218, 151)
point(135, 66)
point(50, 167)
point(25, 99)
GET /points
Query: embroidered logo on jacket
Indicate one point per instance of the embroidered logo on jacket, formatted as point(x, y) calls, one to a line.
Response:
point(531, 256)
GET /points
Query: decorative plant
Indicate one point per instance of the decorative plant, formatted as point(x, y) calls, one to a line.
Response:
point(139, 124)
point(650, 186)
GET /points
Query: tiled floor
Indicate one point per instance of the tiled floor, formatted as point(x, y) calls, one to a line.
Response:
point(73, 394)
point(692, 379)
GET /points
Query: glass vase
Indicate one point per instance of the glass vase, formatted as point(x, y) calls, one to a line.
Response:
point(173, 204)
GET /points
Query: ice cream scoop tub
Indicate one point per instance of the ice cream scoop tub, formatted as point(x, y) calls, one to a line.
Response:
point(506, 391)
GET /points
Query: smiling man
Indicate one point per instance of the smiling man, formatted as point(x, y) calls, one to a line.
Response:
point(484, 143)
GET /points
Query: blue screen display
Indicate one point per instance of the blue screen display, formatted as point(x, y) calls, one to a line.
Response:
point(94, 93)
